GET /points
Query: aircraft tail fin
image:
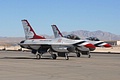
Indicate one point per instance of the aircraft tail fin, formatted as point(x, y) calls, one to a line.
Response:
point(29, 32)
point(56, 31)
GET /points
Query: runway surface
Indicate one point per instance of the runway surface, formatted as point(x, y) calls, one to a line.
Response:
point(23, 66)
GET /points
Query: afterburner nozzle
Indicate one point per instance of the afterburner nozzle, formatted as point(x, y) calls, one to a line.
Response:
point(89, 46)
point(107, 45)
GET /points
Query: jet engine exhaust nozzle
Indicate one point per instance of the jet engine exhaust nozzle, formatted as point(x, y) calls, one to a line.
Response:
point(89, 46)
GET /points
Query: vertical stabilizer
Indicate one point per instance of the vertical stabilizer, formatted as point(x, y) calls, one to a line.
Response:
point(56, 31)
point(29, 32)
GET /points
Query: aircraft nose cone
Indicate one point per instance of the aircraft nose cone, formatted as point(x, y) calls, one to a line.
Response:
point(107, 45)
point(89, 46)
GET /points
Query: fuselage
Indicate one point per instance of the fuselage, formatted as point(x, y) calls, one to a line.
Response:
point(58, 44)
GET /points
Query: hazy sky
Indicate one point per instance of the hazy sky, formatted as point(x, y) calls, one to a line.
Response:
point(68, 15)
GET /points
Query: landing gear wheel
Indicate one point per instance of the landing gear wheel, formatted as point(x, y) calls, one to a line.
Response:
point(38, 56)
point(78, 54)
point(54, 56)
point(66, 56)
point(89, 56)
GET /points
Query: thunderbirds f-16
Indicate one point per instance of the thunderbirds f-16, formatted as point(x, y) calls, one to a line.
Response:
point(39, 45)
point(82, 49)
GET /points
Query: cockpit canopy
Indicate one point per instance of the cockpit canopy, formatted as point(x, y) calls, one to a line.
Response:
point(93, 39)
point(72, 36)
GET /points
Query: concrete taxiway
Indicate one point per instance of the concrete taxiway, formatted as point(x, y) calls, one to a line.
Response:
point(16, 65)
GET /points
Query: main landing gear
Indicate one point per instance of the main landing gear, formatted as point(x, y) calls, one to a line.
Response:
point(78, 54)
point(86, 53)
point(66, 56)
point(54, 56)
point(62, 54)
point(39, 55)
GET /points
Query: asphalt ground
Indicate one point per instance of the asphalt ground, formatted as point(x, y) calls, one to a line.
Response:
point(16, 65)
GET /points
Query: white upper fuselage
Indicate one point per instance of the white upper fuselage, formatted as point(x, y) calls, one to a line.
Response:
point(56, 41)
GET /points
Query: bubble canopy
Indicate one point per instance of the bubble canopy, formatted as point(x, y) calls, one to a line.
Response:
point(93, 38)
point(75, 37)
point(72, 36)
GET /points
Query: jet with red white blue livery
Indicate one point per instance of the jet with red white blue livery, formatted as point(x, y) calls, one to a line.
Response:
point(39, 46)
point(80, 50)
